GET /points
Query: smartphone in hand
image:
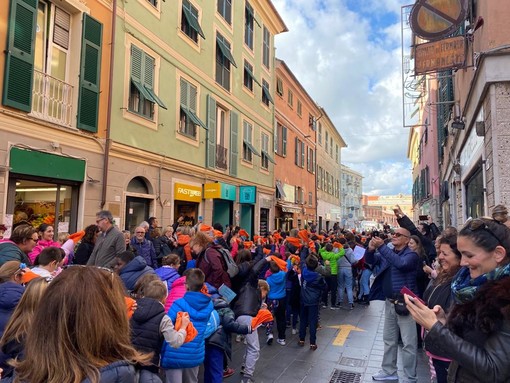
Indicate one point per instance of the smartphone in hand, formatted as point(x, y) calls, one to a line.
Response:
point(406, 290)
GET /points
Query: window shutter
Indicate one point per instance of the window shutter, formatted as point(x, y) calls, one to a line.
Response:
point(296, 151)
point(275, 138)
point(211, 132)
point(184, 92)
point(136, 64)
point(284, 140)
point(88, 102)
point(192, 97)
point(19, 62)
point(148, 70)
point(234, 150)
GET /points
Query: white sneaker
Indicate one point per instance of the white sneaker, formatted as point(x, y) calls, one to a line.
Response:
point(269, 339)
point(281, 342)
point(383, 376)
point(294, 331)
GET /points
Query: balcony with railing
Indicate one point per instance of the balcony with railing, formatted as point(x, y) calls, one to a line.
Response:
point(52, 99)
point(221, 157)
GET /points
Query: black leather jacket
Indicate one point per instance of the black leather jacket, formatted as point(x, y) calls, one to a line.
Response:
point(477, 355)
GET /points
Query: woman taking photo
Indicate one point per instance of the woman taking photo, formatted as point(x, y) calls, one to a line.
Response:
point(476, 335)
point(439, 292)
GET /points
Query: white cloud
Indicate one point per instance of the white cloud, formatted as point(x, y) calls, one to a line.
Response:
point(346, 53)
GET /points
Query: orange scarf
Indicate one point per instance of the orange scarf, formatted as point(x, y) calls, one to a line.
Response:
point(183, 240)
point(280, 262)
point(191, 331)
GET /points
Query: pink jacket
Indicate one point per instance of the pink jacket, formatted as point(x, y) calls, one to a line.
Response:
point(176, 292)
point(68, 246)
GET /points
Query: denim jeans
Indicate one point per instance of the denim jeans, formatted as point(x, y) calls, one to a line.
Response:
point(345, 283)
point(364, 283)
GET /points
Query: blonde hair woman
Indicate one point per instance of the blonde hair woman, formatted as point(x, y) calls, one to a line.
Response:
point(13, 339)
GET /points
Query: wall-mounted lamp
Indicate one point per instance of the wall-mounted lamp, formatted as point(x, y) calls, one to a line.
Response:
point(457, 123)
point(91, 180)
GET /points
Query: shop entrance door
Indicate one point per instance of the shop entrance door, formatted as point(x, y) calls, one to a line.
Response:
point(137, 211)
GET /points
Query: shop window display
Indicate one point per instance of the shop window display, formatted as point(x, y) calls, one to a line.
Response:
point(36, 203)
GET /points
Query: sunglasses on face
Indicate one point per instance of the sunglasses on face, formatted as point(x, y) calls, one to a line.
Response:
point(398, 235)
point(479, 224)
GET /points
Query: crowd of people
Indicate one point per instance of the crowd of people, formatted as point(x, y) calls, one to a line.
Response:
point(154, 305)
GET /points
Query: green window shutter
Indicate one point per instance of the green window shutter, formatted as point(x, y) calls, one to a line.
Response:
point(184, 92)
point(211, 134)
point(234, 148)
point(90, 74)
point(19, 62)
point(148, 80)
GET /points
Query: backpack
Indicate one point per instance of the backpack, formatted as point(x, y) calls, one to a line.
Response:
point(230, 266)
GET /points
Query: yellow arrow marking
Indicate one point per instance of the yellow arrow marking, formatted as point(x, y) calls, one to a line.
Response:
point(345, 329)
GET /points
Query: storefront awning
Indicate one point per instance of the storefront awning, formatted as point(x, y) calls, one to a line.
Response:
point(35, 163)
point(289, 208)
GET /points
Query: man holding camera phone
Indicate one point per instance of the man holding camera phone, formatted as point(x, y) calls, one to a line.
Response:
point(398, 268)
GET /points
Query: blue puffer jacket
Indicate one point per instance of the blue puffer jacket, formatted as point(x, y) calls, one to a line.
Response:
point(146, 250)
point(168, 274)
point(133, 271)
point(10, 294)
point(191, 354)
point(402, 265)
point(116, 372)
point(145, 329)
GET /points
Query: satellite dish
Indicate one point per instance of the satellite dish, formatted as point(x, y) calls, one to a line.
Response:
point(433, 19)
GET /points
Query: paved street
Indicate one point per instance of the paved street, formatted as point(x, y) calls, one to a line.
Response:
point(358, 351)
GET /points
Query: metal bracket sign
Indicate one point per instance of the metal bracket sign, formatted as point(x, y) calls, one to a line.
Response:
point(433, 19)
point(440, 55)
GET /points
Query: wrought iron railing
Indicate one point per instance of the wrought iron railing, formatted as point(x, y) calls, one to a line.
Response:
point(52, 99)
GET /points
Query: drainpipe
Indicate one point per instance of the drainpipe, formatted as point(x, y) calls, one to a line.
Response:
point(106, 160)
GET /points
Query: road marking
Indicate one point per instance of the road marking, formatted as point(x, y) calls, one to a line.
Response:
point(345, 329)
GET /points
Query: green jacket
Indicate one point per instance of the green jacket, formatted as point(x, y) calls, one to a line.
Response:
point(332, 257)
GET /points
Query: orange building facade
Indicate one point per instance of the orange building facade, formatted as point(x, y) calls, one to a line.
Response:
point(295, 152)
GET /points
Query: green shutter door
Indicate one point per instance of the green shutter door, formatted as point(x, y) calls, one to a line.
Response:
point(211, 132)
point(19, 62)
point(90, 74)
point(234, 128)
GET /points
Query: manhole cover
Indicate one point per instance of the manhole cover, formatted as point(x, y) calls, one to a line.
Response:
point(352, 362)
point(342, 376)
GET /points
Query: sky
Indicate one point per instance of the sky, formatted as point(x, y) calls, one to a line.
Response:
point(347, 55)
